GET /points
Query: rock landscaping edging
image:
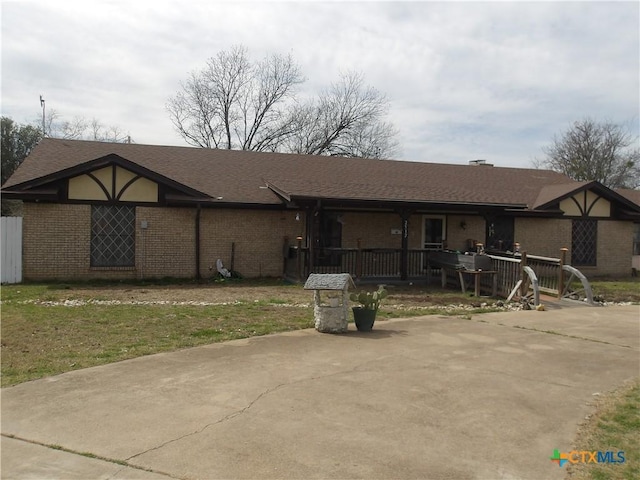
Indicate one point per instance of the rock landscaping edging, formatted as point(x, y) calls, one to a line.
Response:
point(494, 306)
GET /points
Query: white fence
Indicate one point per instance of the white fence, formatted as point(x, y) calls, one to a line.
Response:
point(11, 266)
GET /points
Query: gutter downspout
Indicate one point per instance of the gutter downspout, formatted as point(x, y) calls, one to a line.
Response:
point(198, 210)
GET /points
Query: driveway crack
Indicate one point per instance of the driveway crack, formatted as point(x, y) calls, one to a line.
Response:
point(239, 412)
point(217, 422)
point(242, 410)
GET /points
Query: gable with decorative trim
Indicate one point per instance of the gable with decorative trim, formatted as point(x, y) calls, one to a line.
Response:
point(112, 183)
point(586, 203)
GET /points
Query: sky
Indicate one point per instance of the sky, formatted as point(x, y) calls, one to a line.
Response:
point(464, 80)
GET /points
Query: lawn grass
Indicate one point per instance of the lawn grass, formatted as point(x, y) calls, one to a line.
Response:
point(53, 328)
point(45, 333)
point(615, 426)
point(40, 340)
point(622, 290)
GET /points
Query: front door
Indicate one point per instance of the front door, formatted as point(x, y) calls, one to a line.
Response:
point(434, 233)
point(328, 236)
point(499, 233)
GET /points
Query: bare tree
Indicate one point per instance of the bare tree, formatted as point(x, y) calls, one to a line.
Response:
point(113, 134)
point(79, 128)
point(589, 150)
point(235, 104)
point(346, 120)
point(73, 129)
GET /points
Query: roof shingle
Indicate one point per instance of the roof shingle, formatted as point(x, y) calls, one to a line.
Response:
point(238, 176)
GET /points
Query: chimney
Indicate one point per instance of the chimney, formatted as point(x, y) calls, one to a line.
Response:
point(476, 163)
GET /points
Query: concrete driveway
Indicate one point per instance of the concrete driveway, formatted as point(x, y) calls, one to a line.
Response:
point(431, 397)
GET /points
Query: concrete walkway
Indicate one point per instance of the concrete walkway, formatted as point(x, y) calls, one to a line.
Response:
point(429, 397)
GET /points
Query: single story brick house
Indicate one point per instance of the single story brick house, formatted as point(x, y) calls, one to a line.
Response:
point(129, 211)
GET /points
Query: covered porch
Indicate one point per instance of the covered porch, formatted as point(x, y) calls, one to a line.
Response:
point(390, 240)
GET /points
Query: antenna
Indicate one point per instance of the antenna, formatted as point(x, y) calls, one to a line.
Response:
point(44, 131)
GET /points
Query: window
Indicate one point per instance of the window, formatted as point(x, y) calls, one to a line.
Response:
point(636, 239)
point(113, 236)
point(434, 232)
point(584, 233)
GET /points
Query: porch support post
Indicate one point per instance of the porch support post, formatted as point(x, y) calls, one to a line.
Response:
point(359, 259)
point(404, 253)
point(197, 246)
point(524, 277)
point(299, 260)
point(309, 227)
point(311, 240)
point(563, 260)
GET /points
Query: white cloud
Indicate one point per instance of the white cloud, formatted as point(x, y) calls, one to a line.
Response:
point(465, 80)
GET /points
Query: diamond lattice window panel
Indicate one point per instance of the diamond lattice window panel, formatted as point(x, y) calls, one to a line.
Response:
point(113, 236)
point(584, 234)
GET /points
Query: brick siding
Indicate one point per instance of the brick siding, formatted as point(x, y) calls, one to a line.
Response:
point(166, 248)
point(458, 238)
point(258, 236)
point(56, 240)
point(373, 230)
point(615, 248)
point(546, 236)
point(543, 236)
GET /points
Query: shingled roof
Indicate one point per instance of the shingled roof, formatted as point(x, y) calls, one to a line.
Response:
point(241, 176)
point(631, 195)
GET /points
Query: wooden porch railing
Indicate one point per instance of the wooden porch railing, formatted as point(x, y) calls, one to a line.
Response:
point(542, 274)
point(361, 263)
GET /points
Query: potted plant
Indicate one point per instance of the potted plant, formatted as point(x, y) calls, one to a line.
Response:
point(365, 314)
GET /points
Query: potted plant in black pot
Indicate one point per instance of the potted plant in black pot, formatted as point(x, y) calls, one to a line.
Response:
point(365, 314)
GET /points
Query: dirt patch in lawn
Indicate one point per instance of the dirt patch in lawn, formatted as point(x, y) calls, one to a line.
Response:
point(208, 293)
point(406, 297)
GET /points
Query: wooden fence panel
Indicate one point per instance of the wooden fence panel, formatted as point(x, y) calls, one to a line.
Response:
point(11, 260)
